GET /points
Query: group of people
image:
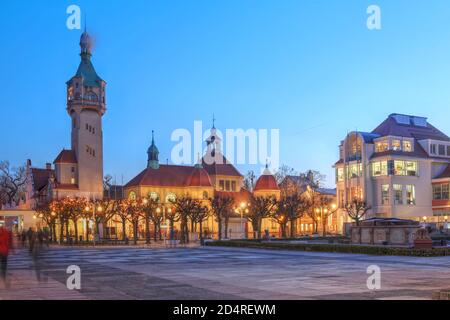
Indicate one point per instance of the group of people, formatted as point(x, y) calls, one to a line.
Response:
point(35, 241)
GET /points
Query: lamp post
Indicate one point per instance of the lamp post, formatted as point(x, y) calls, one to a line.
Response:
point(95, 209)
point(164, 226)
point(243, 208)
point(325, 210)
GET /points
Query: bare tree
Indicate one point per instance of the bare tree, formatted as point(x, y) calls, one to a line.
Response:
point(185, 206)
point(149, 208)
point(260, 208)
point(356, 209)
point(283, 172)
point(250, 180)
point(221, 207)
point(12, 183)
point(290, 208)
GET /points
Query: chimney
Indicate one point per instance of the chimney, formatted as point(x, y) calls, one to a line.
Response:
point(48, 166)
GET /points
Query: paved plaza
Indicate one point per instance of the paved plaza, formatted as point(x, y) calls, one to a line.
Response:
point(221, 273)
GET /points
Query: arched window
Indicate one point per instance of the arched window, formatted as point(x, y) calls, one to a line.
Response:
point(205, 195)
point(171, 197)
point(154, 196)
point(132, 196)
point(91, 96)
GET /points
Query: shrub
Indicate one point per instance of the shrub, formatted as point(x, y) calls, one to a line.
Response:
point(336, 248)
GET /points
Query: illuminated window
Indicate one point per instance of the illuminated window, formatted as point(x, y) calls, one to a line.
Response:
point(399, 168)
point(355, 170)
point(410, 194)
point(396, 145)
point(407, 146)
point(72, 180)
point(385, 194)
point(154, 196)
point(380, 168)
point(398, 194)
point(382, 146)
point(132, 196)
point(411, 168)
point(340, 174)
point(171, 197)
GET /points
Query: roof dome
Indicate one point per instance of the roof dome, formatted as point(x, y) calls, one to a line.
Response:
point(266, 181)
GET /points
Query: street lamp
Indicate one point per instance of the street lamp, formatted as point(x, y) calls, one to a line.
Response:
point(95, 209)
point(164, 226)
point(243, 208)
point(327, 211)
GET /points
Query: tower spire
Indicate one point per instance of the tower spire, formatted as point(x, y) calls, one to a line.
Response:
point(214, 121)
point(153, 154)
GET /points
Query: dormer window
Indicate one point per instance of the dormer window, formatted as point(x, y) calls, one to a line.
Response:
point(396, 145)
point(407, 146)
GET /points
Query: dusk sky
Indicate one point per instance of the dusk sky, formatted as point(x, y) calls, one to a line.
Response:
point(309, 68)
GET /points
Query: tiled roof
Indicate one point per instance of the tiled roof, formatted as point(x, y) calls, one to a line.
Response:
point(266, 182)
point(171, 176)
point(87, 72)
point(445, 174)
point(242, 196)
point(66, 156)
point(199, 178)
point(40, 178)
point(224, 168)
point(390, 127)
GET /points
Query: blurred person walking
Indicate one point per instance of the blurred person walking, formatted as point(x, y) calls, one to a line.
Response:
point(5, 246)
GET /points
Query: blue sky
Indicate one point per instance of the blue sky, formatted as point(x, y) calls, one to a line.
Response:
point(309, 68)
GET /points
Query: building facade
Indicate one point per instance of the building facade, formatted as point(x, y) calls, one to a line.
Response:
point(400, 169)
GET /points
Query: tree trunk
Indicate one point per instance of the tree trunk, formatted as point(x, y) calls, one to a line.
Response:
point(227, 221)
point(292, 235)
point(67, 231)
point(75, 226)
point(124, 229)
point(135, 231)
point(147, 230)
point(283, 227)
point(219, 228)
point(61, 232)
point(54, 236)
point(324, 228)
point(201, 232)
